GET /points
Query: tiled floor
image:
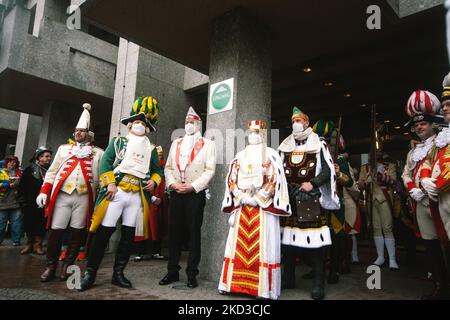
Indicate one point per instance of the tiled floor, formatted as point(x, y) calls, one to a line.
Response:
point(19, 279)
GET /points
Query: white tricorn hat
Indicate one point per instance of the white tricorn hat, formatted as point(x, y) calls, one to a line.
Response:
point(192, 115)
point(85, 119)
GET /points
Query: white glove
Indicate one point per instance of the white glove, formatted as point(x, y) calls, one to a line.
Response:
point(430, 186)
point(41, 200)
point(252, 202)
point(380, 168)
point(231, 220)
point(417, 194)
point(247, 200)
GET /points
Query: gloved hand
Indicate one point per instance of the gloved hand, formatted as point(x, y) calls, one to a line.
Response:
point(41, 200)
point(303, 197)
point(250, 201)
point(231, 220)
point(429, 184)
point(417, 194)
point(380, 168)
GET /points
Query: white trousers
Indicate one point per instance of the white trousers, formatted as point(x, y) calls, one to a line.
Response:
point(382, 220)
point(126, 205)
point(70, 208)
point(425, 222)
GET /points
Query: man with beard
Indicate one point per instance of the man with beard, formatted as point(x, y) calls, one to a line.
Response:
point(68, 195)
point(30, 185)
point(310, 174)
point(129, 172)
point(422, 107)
point(190, 166)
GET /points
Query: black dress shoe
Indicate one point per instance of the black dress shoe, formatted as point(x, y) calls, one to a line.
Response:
point(192, 283)
point(168, 279)
point(118, 279)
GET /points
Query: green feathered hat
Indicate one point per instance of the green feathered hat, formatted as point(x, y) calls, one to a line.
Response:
point(145, 109)
point(324, 128)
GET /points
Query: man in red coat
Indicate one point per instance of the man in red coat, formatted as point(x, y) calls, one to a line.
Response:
point(68, 195)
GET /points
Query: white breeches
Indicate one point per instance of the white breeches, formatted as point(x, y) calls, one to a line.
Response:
point(126, 205)
point(425, 222)
point(382, 220)
point(70, 208)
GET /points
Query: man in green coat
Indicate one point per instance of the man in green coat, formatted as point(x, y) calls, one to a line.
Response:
point(129, 172)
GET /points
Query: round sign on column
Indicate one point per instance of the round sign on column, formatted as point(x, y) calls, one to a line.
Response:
point(221, 96)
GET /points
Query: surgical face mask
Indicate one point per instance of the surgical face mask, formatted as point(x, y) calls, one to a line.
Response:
point(297, 127)
point(138, 129)
point(254, 138)
point(189, 128)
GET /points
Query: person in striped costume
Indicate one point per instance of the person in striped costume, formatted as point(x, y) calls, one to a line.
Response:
point(256, 195)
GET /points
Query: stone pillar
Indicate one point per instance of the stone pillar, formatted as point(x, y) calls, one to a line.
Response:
point(27, 137)
point(240, 49)
point(58, 124)
point(141, 72)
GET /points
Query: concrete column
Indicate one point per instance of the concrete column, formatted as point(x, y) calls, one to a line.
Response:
point(240, 50)
point(58, 124)
point(125, 87)
point(27, 137)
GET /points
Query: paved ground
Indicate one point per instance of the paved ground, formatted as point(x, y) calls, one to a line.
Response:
point(19, 279)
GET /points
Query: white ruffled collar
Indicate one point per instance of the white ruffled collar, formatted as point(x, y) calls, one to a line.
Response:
point(82, 152)
point(443, 138)
point(421, 150)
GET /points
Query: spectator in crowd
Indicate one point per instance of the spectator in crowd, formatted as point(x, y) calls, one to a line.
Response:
point(10, 175)
point(31, 182)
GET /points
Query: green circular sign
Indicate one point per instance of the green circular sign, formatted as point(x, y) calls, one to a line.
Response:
point(221, 96)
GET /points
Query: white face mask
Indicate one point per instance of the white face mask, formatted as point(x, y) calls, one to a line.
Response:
point(254, 138)
point(297, 127)
point(138, 129)
point(189, 128)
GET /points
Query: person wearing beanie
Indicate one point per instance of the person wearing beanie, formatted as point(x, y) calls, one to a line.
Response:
point(10, 177)
point(30, 185)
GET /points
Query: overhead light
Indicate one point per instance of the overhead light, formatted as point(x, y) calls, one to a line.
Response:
point(387, 121)
point(397, 127)
point(363, 105)
point(328, 84)
point(307, 69)
point(347, 95)
point(406, 134)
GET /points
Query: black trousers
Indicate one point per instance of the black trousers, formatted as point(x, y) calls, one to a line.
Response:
point(185, 222)
point(289, 256)
point(34, 221)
